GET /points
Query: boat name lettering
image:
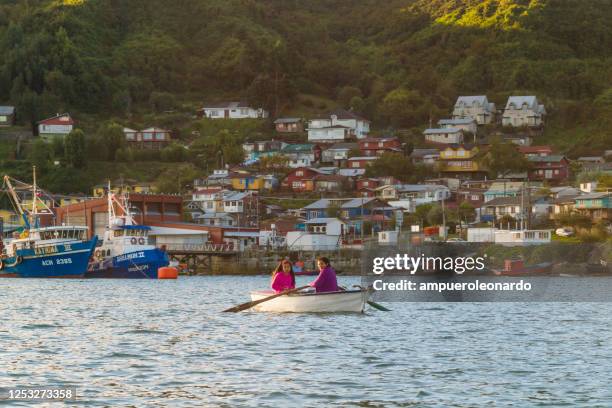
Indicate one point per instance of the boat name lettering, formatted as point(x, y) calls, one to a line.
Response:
point(46, 250)
point(134, 255)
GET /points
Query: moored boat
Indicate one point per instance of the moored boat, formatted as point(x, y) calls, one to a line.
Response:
point(310, 302)
point(516, 267)
point(44, 252)
point(126, 252)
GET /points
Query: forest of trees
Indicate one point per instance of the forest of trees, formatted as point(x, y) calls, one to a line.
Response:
point(400, 63)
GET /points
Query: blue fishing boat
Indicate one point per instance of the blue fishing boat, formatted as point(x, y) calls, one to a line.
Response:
point(125, 251)
point(44, 252)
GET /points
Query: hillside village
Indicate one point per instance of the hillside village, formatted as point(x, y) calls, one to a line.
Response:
point(332, 181)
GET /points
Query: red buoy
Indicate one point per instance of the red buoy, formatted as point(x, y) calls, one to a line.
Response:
point(167, 272)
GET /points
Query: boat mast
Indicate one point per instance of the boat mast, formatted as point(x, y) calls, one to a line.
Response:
point(34, 197)
point(7, 181)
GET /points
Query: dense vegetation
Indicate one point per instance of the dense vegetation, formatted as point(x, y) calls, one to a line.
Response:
point(400, 62)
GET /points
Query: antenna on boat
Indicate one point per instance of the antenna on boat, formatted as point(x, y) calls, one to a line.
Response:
point(34, 196)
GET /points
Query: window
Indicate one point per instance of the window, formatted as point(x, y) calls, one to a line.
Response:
point(355, 165)
point(147, 136)
point(299, 173)
point(160, 136)
point(380, 144)
point(475, 197)
point(3, 118)
point(296, 184)
point(214, 113)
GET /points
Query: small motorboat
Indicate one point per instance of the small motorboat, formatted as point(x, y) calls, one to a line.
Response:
point(516, 267)
point(311, 302)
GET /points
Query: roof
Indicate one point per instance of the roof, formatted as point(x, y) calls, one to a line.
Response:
point(351, 172)
point(343, 114)
point(469, 100)
point(591, 159)
point(318, 205)
point(322, 220)
point(518, 101)
point(436, 131)
point(501, 201)
point(226, 105)
point(464, 146)
point(419, 187)
point(464, 121)
point(566, 199)
point(358, 202)
point(330, 177)
point(594, 196)
point(59, 119)
point(534, 149)
point(424, 152)
point(297, 148)
point(544, 159)
point(128, 130)
point(506, 185)
point(287, 120)
point(379, 139)
point(7, 110)
point(155, 129)
point(363, 158)
point(344, 146)
point(235, 195)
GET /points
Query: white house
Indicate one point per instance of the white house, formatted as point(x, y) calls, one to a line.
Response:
point(465, 124)
point(57, 126)
point(330, 134)
point(331, 129)
point(232, 110)
point(475, 107)
point(523, 111)
point(444, 136)
point(321, 234)
point(338, 152)
point(360, 126)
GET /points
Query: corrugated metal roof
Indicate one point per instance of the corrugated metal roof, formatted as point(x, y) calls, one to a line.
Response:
point(436, 131)
point(7, 110)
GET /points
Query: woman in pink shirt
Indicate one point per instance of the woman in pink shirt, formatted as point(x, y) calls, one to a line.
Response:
point(283, 277)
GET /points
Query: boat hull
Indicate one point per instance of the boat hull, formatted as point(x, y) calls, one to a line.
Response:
point(352, 301)
point(59, 261)
point(544, 268)
point(132, 265)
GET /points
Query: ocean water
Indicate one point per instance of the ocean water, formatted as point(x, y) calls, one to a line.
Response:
point(167, 344)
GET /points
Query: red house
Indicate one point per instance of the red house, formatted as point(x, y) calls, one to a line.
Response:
point(553, 168)
point(301, 179)
point(378, 146)
point(530, 151)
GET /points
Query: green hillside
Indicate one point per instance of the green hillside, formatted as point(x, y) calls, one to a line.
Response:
point(399, 62)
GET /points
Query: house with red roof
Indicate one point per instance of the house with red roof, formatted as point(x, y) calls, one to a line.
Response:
point(56, 126)
point(530, 151)
point(377, 146)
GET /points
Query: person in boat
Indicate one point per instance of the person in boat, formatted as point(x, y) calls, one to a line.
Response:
point(298, 266)
point(283, 277)
point(326, 280)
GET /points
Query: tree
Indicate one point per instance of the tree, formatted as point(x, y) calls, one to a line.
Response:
point(502, 159)
point(113, 137)
point(40, 155)
point(392, 164)
point(346, 95)
point(74, 149)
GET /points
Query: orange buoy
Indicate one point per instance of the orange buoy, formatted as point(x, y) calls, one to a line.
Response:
point(167, 272)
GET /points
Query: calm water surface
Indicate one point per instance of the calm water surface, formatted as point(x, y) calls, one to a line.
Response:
point(165, 343)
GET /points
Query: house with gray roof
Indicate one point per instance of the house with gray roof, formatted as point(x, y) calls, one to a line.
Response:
point(232, 110)
point(476, 107)
point(523, 111)
point(7, 115)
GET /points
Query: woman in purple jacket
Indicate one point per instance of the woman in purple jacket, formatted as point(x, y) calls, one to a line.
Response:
point(326, 281)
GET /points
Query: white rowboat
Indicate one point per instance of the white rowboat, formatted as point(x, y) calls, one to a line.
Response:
point(326, 302)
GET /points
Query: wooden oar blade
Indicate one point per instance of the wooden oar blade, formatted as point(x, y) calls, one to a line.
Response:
point(248, 305)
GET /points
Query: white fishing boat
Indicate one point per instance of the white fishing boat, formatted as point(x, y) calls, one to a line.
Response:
point(310, 302)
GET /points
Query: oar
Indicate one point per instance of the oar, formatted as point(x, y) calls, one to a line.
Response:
point(249, 305)
point(373, 304)
point(377, 306)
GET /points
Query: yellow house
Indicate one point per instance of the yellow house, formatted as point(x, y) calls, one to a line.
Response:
point(11, 219)
point(244, 182)
point(459, 159)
